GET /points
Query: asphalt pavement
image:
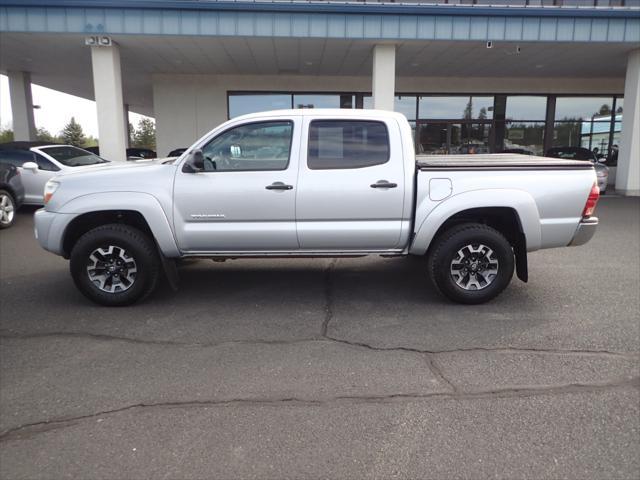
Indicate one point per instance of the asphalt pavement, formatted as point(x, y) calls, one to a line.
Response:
point(320, 368)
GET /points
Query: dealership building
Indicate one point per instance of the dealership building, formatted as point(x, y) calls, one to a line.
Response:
point(471, 76)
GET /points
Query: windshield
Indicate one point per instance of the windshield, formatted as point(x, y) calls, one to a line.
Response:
point(72, 156)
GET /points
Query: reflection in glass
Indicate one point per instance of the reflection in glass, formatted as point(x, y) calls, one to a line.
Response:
point(576, 108)
point(316, 101)
point(522, 107)
point(406, 105)
point(437, 138)
point(595, 136)
point(240, 104)
point(524, 137)
point(456, 107)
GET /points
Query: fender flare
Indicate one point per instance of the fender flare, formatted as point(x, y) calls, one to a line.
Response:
point(429, 222)
point(145, 204)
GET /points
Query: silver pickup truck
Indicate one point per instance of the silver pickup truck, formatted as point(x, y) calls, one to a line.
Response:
point(326, 183)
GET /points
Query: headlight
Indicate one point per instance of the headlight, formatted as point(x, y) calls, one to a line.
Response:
point(49, 189)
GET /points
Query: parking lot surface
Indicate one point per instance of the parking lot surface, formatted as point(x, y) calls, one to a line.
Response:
point(320, 368)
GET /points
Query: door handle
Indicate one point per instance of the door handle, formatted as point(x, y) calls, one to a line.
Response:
point(279, 186)
point(383, 184)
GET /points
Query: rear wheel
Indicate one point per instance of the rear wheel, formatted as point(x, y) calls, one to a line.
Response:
point(115, 265)
point(471, 263)
point(7, 209)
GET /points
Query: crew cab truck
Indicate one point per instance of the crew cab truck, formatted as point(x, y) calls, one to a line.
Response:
point(307, 183)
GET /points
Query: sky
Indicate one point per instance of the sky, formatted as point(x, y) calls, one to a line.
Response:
point(56, 109)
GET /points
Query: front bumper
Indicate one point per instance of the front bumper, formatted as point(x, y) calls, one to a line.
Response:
point(584, 233)
point(49, 229)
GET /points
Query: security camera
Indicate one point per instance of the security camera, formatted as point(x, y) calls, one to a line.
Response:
point(489, 44)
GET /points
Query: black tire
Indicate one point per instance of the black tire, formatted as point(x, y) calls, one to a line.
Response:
point(130, 242)
point(7, 209)
point(445, 251)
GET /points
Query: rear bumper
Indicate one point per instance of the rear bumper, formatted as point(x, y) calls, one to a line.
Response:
point(584, 233)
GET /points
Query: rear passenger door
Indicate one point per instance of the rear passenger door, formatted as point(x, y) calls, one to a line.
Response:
point(351, 185)
point(33, 181)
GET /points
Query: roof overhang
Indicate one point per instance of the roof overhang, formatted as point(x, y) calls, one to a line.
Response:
point(375, 21)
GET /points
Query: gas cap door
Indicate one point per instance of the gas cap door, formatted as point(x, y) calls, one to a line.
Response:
point(440, 188)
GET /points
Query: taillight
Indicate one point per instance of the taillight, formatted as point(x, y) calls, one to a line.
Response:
point(590, 206)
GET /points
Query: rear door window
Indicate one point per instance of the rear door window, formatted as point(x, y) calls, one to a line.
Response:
point(16, 157)
point(342, 144)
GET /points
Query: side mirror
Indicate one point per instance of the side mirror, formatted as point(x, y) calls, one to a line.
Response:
point(195, 162)
point(236, 151)
point(31, 166)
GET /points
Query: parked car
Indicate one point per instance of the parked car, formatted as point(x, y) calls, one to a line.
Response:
point(177, 152)
point(580, 153)
point(145, 153)
point(314, 182)
point(519, 151)
point(11, 194)
point(133, 153)
point(39, 162)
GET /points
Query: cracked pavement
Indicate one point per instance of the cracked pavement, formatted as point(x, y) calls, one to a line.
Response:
point(350, 368)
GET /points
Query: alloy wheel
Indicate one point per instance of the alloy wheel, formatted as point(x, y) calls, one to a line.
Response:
point(474, 267)
point(112, 269)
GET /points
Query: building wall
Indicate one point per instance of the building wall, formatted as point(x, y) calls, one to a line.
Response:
point(188, 106)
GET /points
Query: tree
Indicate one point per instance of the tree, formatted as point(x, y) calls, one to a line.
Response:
point(604, 110)
point(43, 135)
point(72, 133)
point(468, 110)
point(145, 135)
point(6, 135)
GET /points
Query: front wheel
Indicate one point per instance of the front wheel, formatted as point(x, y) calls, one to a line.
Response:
point(115, 265)
point(471, 263)
point(7, 209)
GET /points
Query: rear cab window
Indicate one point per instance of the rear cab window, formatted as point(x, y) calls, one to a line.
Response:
point(347, 144)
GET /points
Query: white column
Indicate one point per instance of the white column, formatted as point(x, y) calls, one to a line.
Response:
point(107, 85)
point(21, 106)
point(628, 174)
point(384, 77)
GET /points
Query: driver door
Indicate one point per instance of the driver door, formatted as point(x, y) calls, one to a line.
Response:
point(244, 198)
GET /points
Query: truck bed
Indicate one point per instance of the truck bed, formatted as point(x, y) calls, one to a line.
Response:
point(498, 161)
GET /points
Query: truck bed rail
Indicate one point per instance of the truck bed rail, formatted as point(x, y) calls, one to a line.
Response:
point(498, 161)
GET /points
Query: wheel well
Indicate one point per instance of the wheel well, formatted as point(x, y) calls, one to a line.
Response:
point(503, 219)
point(88, 221)
point(9, 190)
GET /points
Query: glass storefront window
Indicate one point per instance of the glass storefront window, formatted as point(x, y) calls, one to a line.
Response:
point(524, 137)
point(316, 101)
point(241, 104)
point(576, 108)
point(523, 107)
point(406, 105)
point(456, 107)
point(436, 138)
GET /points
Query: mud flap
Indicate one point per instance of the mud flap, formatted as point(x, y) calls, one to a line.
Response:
point(520, 252)
point(170, 271)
